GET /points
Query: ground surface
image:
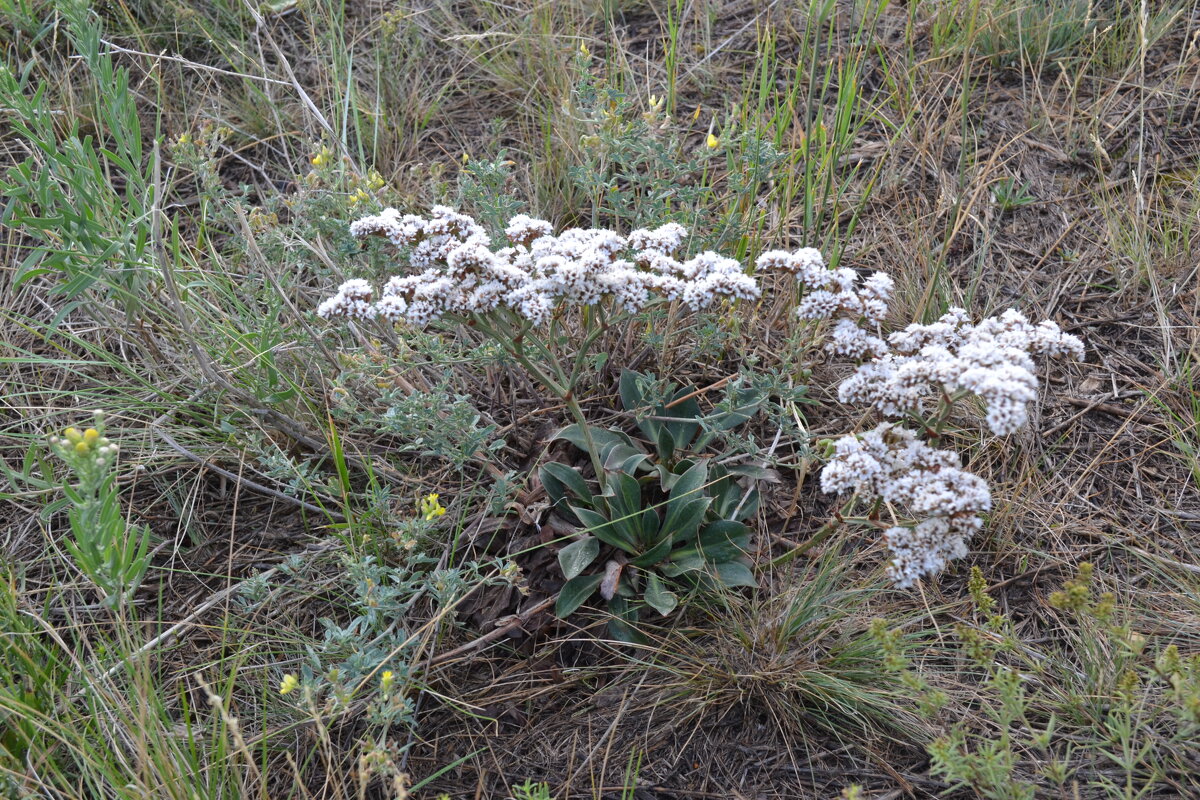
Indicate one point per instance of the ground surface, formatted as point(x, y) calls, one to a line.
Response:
point(996, 155)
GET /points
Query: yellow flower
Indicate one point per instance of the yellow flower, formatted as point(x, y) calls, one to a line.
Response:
point(73, 435)
point(91, 435)
point(713, 142)
point(324, 156)
point(375, 181)
point(385, 680)
point(430, 507)
point(359, 196)
point(290, 683)
point(82, 448)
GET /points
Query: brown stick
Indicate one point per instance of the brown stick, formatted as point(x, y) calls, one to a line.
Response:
point(708, 388)
point(503, 629)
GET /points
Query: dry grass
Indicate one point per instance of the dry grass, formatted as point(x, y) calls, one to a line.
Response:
point(198, 340)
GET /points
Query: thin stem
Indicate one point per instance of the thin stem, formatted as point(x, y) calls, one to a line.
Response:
point(562, 386)
point(821, 535)
point(597, 464)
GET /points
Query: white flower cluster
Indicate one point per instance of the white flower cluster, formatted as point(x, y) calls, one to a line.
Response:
point(891, 464)
point(992, 359)
point(837, 295)
point(462, 274)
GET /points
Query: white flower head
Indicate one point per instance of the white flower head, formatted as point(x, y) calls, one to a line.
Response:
point(992, 359)
point(891, 464)
point(458, 272)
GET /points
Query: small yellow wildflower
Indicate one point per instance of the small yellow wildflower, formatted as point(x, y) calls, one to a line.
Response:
point(712, 142)
point(290, 683)
point(82, 448)
point(91, 435)
point(430, 507)
point(583, 51)
point(466, 159)
point(359, 196)
point(375, 181)
point(386, 679)
point(73, 435)
point(324, 156)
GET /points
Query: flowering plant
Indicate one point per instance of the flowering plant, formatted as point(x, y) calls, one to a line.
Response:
point(514, 292)
point(523, 294)
point(950, 359)
point(111, 553)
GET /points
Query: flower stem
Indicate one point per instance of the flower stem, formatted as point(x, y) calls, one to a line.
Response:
point(821, 535)
point(561, 385)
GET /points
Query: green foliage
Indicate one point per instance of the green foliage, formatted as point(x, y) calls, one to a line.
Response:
point(484, 185)
point(86, 198)
point(364, 662)
point(1077, 713)
point(1010, 195)
point(667, 515)
point(639, 169)
point(1036, 33)
point(32, 674)
point(531, 791)
point(109, 552)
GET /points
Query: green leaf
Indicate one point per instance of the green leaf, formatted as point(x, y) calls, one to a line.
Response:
point(682, 430)
point(691, 483)
point(598, 525)
point(756, 472)
point(634, 401)
point(683, 519)
point(631, 395)
point(723, 540)
point(560, 479)
point(578, 555)
point(665, 443)
point(620, 626)
point(624, 496)
point(733, 498)
point(621, 457)
point(601, 436)
point(743, 404)
point(688, 503)
point(654, 555)
point(659, 597)
point(734, 573)
point(574, 593)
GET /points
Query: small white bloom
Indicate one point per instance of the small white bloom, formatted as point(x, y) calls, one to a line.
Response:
point(891, 464)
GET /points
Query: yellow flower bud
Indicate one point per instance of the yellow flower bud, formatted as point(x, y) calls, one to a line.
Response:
point(430, 508)
point(73, 435)
point(290, 683)
point(712, 142)
point(385, 680)
point(82, 448)
point(91, 435)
